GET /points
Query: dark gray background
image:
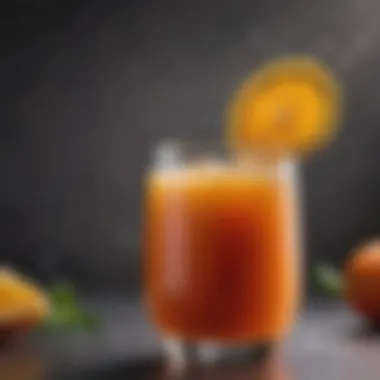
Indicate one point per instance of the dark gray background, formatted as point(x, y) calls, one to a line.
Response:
point(86, 88)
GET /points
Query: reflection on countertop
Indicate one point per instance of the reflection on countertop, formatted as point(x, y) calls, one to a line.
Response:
point(272, 368)
point(327, 343)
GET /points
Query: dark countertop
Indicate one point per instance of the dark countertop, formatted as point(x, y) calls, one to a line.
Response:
point(328, 342)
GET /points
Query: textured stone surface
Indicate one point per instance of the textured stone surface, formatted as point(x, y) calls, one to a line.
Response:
point(327, 343)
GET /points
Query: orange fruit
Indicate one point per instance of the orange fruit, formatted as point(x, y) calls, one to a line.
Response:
point(362, 280)
point(22, 304)
point(290, 105)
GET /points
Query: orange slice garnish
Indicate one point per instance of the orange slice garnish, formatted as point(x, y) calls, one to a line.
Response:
point(291, 105)
point(21, 302)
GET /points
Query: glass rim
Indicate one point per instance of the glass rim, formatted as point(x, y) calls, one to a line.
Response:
point(186, 142)
point(217, 145)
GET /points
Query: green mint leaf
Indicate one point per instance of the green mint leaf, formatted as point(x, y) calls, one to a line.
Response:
point(63, 295)
point(329, 280)
point(67, 314)
point(85, 321)
point(71, 320)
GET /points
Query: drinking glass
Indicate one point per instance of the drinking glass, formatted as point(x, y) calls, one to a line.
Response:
point(222, 268)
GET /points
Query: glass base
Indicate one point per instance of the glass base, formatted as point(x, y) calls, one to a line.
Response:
point(183, 353)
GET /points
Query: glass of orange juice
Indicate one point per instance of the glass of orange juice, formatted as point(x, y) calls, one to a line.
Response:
point(222, 250)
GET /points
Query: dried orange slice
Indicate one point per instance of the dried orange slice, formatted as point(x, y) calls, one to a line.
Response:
point(22, 304)
point(290, 105)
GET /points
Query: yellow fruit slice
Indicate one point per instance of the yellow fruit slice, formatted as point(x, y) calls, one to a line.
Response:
point(22, 304)
point(290, 105)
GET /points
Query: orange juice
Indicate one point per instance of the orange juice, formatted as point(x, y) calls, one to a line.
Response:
point(222, 259)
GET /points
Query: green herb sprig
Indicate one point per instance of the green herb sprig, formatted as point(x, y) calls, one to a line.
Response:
point(67, 313)
point(329, 280)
